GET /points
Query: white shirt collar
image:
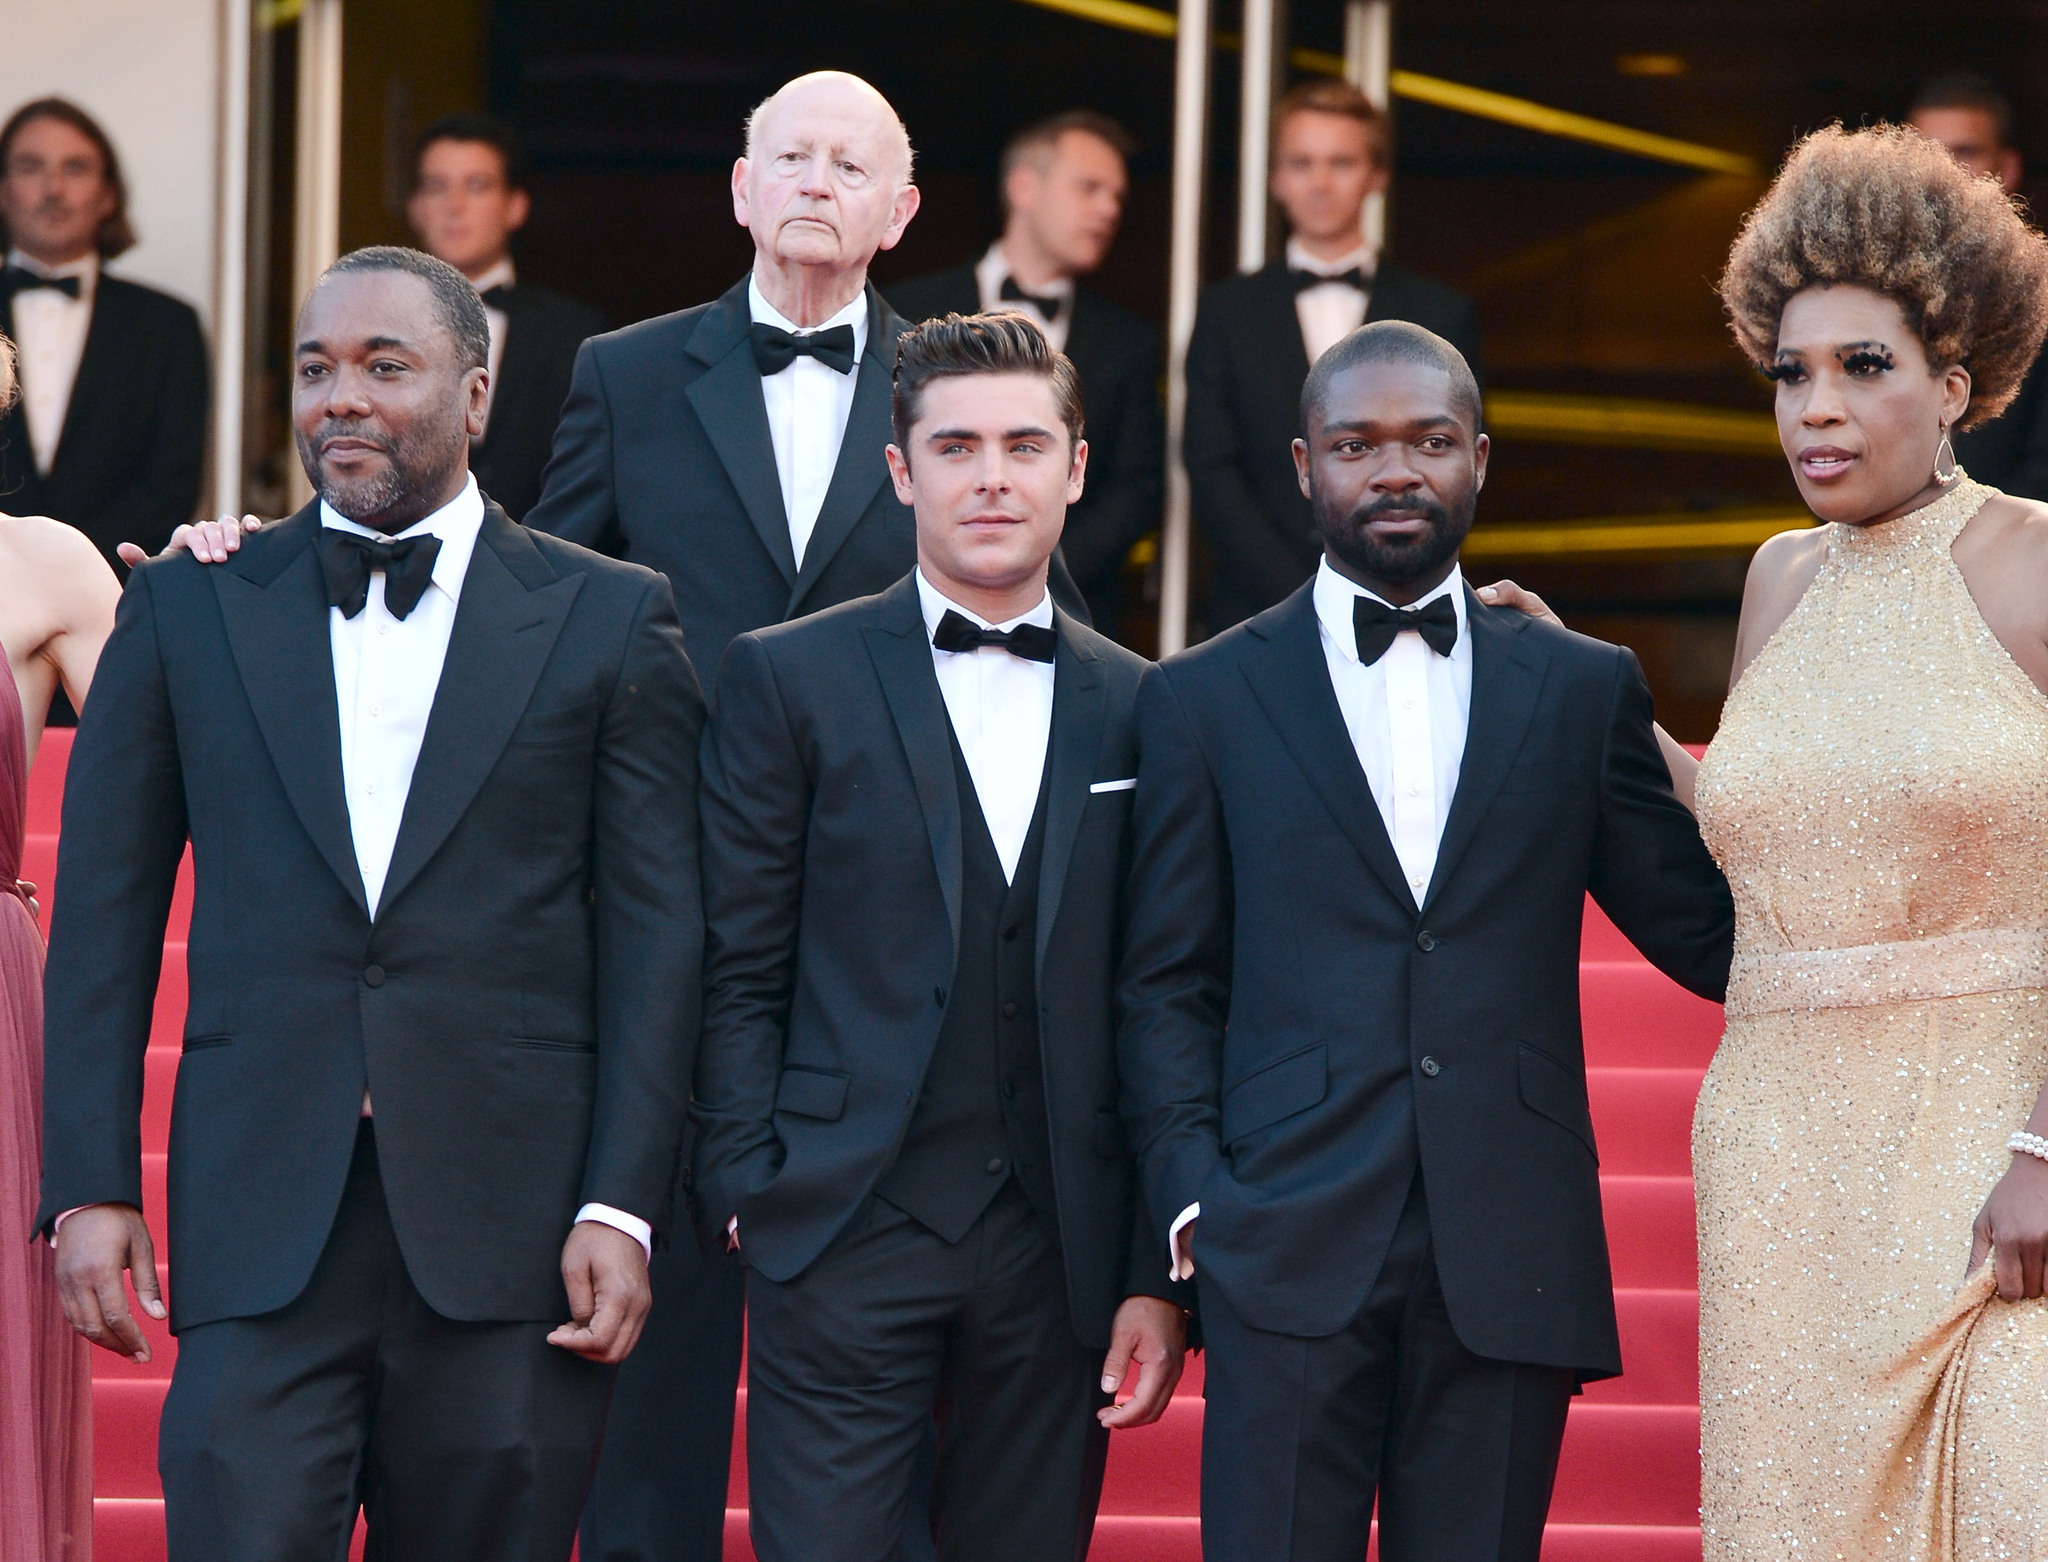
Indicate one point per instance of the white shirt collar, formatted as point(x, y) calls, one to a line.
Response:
point(936, 605)
point(86, 269)
point(1364, 259)
point(499, 275)
point(456, 523)
point(1334, 595)
point(993, 269)
point(854, 314)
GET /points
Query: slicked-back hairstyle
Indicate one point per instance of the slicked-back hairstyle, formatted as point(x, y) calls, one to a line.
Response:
point(1327, 95)
point(1889, 210)
point(461, 312)
point(1967, 89)
point(1040, 141)
point(486, 129)
point(1391, 341)
point(957, 345)
point(116, 235)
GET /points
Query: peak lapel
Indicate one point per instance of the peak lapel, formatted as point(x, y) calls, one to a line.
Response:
point(903, 662)
point(1079, 706)
point(727, 400)
point(274, 604)
point(1291, 679)
point(1507, 675)
point(861, 468)
point(511, 610)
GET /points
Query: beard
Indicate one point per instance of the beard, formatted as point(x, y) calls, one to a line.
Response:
point(1348, 535)
point(412, 467)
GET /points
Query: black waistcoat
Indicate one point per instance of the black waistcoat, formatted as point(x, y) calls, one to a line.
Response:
point(981, 1117)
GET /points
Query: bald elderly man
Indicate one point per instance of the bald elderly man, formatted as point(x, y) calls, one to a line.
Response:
point(737, 447)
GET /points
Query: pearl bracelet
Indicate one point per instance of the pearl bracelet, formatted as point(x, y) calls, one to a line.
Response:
point(2024, 1143)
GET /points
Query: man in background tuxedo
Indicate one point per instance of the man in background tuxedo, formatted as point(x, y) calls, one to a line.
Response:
point(469, 198)
point(1255, 337)
point(1063, 183)
point(1365, 826)
point(438, 777)
point(1967, 114)
point(908, 1088)
point(109, 432)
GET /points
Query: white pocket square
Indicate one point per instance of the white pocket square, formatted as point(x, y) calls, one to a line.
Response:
point(1125, 785)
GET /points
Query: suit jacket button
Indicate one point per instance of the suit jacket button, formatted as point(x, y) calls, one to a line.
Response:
point(1425, 941)
point(373, 976)
point(995, 1167)
point(1009, 1011)
point(1431, 1067)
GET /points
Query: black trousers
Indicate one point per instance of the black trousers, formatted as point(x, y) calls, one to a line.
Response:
point(661, 1480)
point(1299, 1435)
point(460, 1442)
point(849, 1364)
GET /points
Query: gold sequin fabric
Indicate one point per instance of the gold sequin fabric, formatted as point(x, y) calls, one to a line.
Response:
point(1878, 796)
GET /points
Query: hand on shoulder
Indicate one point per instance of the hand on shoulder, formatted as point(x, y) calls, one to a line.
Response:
point(210, 542)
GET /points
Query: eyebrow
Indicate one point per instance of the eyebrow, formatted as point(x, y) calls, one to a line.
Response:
point(940, 436)
point(1840, 348)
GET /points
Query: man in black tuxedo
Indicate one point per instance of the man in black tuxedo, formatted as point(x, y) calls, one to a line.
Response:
point(469, 198)
point(109, 432)
point(915, 812)
point(1365, 826)
point(1064, 181)
point(737, 447)
point(438, 778)
point(1255, 337)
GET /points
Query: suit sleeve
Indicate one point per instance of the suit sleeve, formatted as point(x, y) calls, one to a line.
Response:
point(124, 832)
point(163, 492)
point(1652, 874)
point(757, 803)
point(579, 499)
point(1125, 492)
point(1250, 544)
point(649, 915)
point(1173, 986)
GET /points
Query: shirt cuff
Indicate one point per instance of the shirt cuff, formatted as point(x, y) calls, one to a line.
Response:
point(57, 1225)
point(1181, 1266)
point(619, 1220)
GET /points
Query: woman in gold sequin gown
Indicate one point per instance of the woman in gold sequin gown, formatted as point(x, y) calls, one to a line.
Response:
point(1878, 796)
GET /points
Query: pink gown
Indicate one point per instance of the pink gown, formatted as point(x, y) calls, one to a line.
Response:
point(45, 1376)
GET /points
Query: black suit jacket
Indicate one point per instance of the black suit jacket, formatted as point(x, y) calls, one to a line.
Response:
point(663, 456)
point(523, 1008)
point(1246, 364)
point(543, 332)
point(2011, 451)
point(1116, 354)
point(1297, 1032)
point(129, 464)
point(832, 841)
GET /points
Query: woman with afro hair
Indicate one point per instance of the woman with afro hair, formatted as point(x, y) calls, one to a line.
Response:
point(1874, 1128)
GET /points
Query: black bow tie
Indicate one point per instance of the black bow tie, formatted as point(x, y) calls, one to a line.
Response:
point(19, 279)
point(1375, 625)
point(498, 298)
point(1304, 280)
point(775, 349)
point(957, 632)
point(1047, 304)
point(347, 561)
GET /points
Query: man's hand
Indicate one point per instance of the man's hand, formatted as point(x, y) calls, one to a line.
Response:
point(1151, 1335)
point(2013, 1228)
point(1505, 593)
point(210, 542)
point(605, 1272)
point(96, 1245)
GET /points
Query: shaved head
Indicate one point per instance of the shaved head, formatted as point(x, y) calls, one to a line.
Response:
point(843, 96)
point(1391, 341)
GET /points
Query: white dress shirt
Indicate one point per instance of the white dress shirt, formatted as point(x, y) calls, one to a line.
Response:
point(500, 275)
point(386, 673)
point(1001, 708)
point(49, 339)
point(1330, 311)
point(1407, 715)
point(993, 269)
point(808, 405)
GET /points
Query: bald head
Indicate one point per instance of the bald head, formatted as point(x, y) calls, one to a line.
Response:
point(838, 99)
point(1391, 341)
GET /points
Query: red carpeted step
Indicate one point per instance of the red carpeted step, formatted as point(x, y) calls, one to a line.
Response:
point(1621, 1543)
point(1629, 1464)
point(1650, 1232)
point(128, 1529)
point(1659, 1350)
point(124, 1418)
point(46, 781)
point(1642, 1118)
point(1636, 1017)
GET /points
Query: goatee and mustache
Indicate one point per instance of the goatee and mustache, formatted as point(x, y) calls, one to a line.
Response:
point(413, 467)
point(1350, 538)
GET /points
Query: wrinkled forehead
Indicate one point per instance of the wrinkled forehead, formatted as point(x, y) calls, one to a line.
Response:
point(835, 120)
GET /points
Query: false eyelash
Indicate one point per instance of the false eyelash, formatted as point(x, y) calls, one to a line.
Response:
point(1858, 360)
point(1778, 372)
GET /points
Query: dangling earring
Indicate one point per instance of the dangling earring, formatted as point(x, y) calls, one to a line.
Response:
point(1945, 467)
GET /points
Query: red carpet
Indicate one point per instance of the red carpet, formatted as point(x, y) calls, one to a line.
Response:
point(1628, 1490)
